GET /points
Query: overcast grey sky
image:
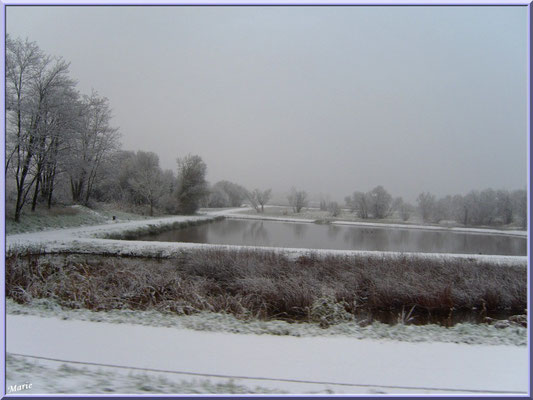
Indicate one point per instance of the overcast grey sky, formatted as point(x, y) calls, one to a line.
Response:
point(328, 99)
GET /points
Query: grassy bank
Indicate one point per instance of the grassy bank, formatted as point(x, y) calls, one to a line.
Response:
point(66, 217)
point(271, 286)
point(468, 333)
point(151, 229)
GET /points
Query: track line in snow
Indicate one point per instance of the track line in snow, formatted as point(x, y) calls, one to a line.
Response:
point(256, 378)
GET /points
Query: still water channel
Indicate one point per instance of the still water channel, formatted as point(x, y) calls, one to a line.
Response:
point(316, 236)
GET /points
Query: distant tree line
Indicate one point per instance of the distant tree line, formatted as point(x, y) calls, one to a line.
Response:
point(486, 207)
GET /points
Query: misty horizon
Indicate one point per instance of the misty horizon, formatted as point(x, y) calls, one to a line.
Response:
point(330, 100)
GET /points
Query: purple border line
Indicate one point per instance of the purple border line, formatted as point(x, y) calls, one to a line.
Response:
point(529, 219)
point(321, 3)
point(3, 210)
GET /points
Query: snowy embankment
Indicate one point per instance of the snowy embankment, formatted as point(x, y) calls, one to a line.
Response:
point(233, 215)
point(88, 240)
point(466, 333)
point(480, 231)
point(338, 364)
point(65, 239)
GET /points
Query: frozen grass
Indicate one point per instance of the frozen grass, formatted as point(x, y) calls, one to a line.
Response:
point(269, 285)
point(66, 217)
point(50, 377)
point(221, 322)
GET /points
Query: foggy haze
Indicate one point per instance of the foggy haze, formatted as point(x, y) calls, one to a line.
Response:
point(327, 99)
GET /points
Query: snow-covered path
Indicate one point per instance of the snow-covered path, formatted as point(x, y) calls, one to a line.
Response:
point(346, 365)
point(480, 231)
point(70, 234)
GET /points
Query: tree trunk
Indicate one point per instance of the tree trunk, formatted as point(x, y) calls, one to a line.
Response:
point(51, 187)
point(21, 196)
point(49, 199)
point(76, 188)
point(18, 206)
point(36, 193)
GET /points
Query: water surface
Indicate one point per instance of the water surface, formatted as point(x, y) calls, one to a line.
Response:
point(316, 236)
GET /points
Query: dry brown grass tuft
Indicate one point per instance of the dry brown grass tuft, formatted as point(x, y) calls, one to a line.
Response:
point(267, 285)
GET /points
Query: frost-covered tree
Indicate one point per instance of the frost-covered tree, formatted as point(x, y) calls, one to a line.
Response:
point(226, 194)
point(297, 199)
point(146, 179)
point(168, 199)
point(217, 197)
point(403, 209)
point(481, 207)
point(380, 201)
point(459, 209)
point(38, 95)
point(258, 198)
point(359, 203)
point(504, 206)
point(488, 206)
point(519, 200)
point(253, 200)
point(192, 186)
point(62, 123)
point(58, 121)
point(443, 209)
point(334, 208)
point(324, 201)
point(426, 205)
point(94, 142)
point(262, 197)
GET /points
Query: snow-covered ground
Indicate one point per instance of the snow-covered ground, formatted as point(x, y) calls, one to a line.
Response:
point(280, 363)
point(267, 218)
point(219, 322)
point(58, 377)
point(480, 231)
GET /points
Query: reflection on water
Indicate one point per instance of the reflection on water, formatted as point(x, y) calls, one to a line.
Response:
point(333, 231)
point(306, 235)
point(256, 231)
point(299, 230)
point(424, 317)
